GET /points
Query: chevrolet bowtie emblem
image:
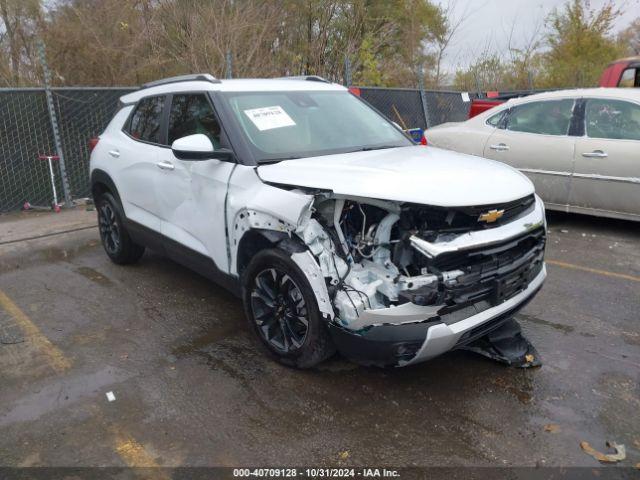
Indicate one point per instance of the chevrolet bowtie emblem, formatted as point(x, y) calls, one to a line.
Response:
point(490, 216)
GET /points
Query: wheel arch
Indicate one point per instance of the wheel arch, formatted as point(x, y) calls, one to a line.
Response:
point(101, 182)
point(254, 241)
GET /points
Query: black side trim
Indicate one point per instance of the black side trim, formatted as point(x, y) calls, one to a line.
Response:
point(185, 256)
point(145, 236)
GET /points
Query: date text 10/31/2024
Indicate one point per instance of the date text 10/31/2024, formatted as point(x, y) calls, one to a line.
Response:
point(316, 472)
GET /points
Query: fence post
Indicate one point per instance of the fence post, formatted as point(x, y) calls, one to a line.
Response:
point(423, 97)
point(54, 125)
point(229, 70)
point(347, 71)
point(475, 77)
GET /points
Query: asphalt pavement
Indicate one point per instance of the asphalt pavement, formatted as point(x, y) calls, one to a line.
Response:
point(190, 389)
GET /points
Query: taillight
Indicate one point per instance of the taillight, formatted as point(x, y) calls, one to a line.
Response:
point(92, 143)
point(355, 91)
point(423, 140)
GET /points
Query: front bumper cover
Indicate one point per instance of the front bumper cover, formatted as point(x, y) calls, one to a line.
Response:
point(417, 341)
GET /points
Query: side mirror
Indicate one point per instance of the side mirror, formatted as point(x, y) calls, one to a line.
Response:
point(198, 147)
point(193, 147)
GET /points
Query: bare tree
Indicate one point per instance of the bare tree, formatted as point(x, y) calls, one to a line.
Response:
point(444, 38)
point(19, 22)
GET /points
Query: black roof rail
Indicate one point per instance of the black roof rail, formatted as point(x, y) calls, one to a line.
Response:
point(205, 77)
point(308, 78)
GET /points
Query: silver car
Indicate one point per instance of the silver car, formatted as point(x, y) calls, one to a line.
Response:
point(581, 148)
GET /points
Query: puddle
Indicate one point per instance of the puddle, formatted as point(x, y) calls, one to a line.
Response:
point(523, 394)
point(61, 394)
point(94, 276)
point(557, 326)
point(215, 333)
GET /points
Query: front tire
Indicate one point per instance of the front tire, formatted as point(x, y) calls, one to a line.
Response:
point(117, 242)
point(283, 312)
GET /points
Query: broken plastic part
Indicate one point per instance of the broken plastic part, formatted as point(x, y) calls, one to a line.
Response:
point(507, 345)
point(310, 268)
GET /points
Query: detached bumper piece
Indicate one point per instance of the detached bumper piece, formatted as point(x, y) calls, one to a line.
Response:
point(507, 345)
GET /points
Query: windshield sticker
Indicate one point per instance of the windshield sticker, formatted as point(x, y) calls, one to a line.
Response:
point(269, 117)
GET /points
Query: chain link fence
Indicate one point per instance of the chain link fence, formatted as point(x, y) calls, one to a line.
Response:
point(83, 113)
point(26, 132)
point(407, 108)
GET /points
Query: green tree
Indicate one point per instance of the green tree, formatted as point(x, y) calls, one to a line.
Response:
point(487, 73)
point(580, 44)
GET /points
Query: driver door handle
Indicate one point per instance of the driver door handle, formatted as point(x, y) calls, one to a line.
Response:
point(165, 165)
point(501, 147)
point(595, 154)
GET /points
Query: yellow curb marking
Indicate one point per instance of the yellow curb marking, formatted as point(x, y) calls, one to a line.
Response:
point(593, 270)
point(56, 358)
point(136, 456)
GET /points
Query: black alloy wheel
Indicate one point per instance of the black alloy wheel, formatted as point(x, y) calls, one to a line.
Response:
point(109, 228)
point(279, 310)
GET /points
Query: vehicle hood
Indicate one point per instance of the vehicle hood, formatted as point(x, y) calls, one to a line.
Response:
point(416, 174)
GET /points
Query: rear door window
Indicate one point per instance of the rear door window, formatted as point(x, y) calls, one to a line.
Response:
point(614, 119)
point(191, 114)
point(551, 117)
point(630, 78)
point(146, 121)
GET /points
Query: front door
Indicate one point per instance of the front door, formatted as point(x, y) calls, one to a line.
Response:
point(607, 158)
point(191, 194)
point(535, 139)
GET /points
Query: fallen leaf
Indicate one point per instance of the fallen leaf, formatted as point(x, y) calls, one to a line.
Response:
point(605, 457)
point(552, 428)
point(344, 455)
point(529, 358)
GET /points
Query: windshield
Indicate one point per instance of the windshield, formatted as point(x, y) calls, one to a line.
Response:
point(286, 125)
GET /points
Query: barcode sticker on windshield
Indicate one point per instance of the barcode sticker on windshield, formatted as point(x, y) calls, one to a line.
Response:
point(269, 117)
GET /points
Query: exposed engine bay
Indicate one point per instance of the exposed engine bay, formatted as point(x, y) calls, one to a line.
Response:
point(377, 254)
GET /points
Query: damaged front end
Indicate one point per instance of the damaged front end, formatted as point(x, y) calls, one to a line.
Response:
point(401, 283)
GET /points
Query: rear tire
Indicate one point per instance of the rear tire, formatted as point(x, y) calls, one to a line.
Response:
point(117, 242)
point(283, 312)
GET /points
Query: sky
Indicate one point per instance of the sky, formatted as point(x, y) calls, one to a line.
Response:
point(489, 24)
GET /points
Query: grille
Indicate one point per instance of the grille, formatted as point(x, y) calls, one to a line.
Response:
point(492, 275)
point(438, 220)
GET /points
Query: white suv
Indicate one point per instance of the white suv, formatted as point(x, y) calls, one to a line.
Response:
point(334, 228)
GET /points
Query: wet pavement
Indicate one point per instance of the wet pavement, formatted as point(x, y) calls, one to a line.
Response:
point(192, 390)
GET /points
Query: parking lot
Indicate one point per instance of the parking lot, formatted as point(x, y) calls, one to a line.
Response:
point(191, 390)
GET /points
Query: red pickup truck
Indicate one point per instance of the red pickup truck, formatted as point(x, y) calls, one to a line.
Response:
point(624, 73)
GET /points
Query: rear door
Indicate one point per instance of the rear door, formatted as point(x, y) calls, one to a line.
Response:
point(191, 194)
point(534, 138)
point(607, 158)
point(137, 154)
